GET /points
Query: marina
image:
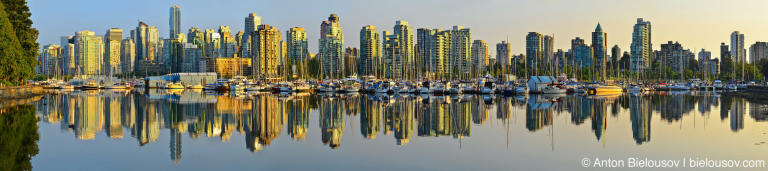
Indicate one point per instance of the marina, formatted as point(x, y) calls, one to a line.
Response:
point(481, 85)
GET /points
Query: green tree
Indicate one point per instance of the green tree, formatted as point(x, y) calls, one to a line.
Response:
point(726, 69)
point(12, 54)
point(287, 70)
point(18, 13)
point(688, 74)
point(763, 67)
point(313, 67)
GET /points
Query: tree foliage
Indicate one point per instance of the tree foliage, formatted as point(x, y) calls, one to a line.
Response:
point(726, 69)
point(18, 42)
point(313, 68)
point(763, 67)
point(11, 52)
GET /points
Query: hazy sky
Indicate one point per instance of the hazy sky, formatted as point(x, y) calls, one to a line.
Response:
point(694, 23)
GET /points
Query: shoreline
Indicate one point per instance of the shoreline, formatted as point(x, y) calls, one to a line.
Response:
point(20, 95)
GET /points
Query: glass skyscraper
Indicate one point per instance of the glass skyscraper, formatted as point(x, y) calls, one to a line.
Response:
point(370, 54)
point(331, 47)
point(533, 52)
point(599, 51)
point(175, 21)
point(641, 47)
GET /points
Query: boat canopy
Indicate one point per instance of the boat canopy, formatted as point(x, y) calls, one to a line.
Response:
point(542, 80)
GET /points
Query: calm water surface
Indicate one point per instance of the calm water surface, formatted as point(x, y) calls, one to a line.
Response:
point(189, 130)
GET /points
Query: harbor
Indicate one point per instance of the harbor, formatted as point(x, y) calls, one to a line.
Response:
point(371, 85)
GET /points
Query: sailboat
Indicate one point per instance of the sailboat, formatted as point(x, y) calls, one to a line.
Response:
point(120, 85)
point(65, 85)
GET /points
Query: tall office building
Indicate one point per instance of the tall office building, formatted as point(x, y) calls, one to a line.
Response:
point(67, 61)
point(212, 43)
point(191, 58)
point(252, 21)
point(390, 44)
point(48, 60)
point(175, 21)
point(352, 56)
point(331, 46)
point(548, 47)
point(704, 55)
point(112, 60)
point(599, 51)
point(370, 54)
point(641, 47)
point(758, 51)
point(266, 52)
point(674, 56)
point(423, 51)
point(404, 55)
point(615, 57)
point(705, 62)
point(164, 58)
point(175, 49)
point(560, 62)
point(228, 44)
point(581, 54)
point(441, 54)
point(479, 57)
point(89, 53)
point(503, 54)
point(197, 37)
point(147, 42)
point(127, 56)
point(738, 52)
point(461, 40)
point(239, 43)
point(725, 52)
point(533, 52)
point(297, 46)
point(160, 54)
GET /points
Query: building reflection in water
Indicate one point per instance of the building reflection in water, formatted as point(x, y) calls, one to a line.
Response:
point(113, 112)
point(298, 117)
point(446, 116)
point(640, 115)
point(599, 123)
point(261, 117)
point(264, 122)
point(332, 121)
point(147, 128)
point(88, 116)
point(370, 118)
point(538, 112)
point(400, 115)
point(737, 114)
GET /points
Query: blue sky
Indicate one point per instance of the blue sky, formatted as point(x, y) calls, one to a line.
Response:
point(694, 23)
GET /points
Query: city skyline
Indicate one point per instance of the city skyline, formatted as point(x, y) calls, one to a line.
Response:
point(363, 84)
point(685, 25)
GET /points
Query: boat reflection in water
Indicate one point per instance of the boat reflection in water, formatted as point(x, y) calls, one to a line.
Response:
point(262, 117)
